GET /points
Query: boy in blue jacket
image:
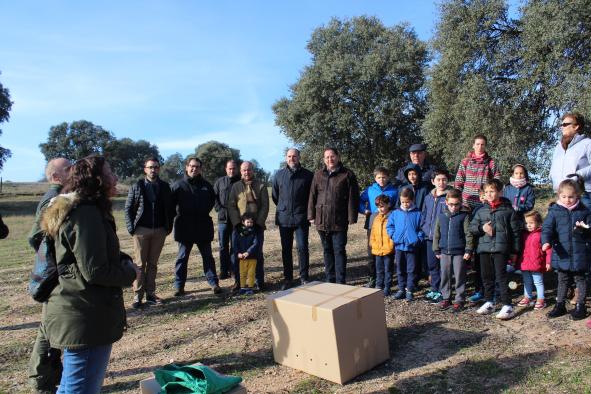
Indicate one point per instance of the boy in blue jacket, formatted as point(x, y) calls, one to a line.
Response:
point(405, 230)
point(433, 206)
point(367, 206)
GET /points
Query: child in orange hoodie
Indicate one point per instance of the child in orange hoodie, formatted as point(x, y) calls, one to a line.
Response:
point(382, 247)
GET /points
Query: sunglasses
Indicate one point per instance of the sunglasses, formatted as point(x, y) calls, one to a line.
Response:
point(567, 124)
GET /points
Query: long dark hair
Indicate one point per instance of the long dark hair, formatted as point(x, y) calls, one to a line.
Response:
point(86, 177)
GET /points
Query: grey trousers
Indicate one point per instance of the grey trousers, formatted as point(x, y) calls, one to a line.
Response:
point(448, 261)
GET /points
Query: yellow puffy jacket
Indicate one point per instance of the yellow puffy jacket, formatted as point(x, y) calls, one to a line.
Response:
point(381, 244)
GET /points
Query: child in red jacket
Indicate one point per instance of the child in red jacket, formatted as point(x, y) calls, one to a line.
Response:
point(534, 261)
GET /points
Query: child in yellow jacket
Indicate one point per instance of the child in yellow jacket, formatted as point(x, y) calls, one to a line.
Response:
point(382, 247)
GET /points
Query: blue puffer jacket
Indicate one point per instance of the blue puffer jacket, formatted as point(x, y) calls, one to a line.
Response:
point(571, 249)
point(368, 197)
point(404, 229)
point(522, 199)
point(433, 206)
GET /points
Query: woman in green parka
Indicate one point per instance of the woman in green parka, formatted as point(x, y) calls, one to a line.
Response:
point(85, 314)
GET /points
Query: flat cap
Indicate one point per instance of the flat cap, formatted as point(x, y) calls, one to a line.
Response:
point(417, 148)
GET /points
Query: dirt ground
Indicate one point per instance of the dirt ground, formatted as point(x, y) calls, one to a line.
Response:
point(432, 351)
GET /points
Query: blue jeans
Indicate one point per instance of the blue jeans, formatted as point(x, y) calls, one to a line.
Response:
point(405, 269)
point(226, 252)
point(182, 258)
point(384, 266)
point(84, 369)
point(301, 236)
point(434, 267)
point(531, 278)
point(260, 268)
point(335, 255)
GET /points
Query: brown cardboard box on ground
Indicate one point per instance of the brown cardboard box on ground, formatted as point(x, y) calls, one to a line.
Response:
point(335, 332)
point(151, 386)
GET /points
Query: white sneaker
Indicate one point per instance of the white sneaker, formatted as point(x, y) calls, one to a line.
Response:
point(506, 312)
point(486, 309)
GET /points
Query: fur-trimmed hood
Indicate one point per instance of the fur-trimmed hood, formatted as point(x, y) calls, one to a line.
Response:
point(57, 211)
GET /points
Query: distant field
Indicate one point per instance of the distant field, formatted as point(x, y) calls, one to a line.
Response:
point(432, 351)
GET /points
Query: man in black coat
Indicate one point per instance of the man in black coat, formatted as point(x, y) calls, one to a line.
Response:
point(291, 188)
point(193, 198)
point(418, 156)
point(221, 188)
point(148, 216)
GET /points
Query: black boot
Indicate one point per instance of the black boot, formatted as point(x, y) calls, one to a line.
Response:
point(580, 312)
point(557, 311)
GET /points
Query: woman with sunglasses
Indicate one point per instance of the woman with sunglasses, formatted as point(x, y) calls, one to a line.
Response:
point(572, 154)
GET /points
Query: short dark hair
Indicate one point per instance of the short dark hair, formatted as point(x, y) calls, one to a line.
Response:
point(481, 137)
point(495, 183)
point(381, 170)
point(439, 172)
point(151, 158)
point(407, 192)
point(247, 216)
point(190, 158)
point(577, 116)
point(382, 199)
point(453, 193)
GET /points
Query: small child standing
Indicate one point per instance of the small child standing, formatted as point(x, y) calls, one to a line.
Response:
point(566, 231)
point(453, 245)
point(405, 230)
point(434, 205)
point(382, 247)
point(245, 240)
point(533, 262)
point(498, 230)
point(519, 192)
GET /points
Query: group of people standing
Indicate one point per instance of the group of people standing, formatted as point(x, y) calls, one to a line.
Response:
point(417, 222)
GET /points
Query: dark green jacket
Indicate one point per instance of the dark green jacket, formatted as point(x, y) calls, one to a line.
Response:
point(86, 308)
point(507, 229)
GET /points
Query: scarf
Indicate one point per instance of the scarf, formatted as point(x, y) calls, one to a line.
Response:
point(518, 183)
point(570, 208)
point(495, 204)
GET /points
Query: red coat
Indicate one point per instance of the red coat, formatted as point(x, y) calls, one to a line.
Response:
point(533, 258)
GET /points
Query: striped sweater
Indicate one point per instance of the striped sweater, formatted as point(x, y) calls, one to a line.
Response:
point(472, 173)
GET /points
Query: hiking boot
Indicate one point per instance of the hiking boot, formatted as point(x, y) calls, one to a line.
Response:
point(486, 309)
point(445, 304)
point(580, 312)
point(399, 295)
point(506, 313)
point(557, 311)
point(153, 300)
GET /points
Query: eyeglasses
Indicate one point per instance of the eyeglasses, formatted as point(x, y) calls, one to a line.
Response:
point(152, 167)
point(567, 124)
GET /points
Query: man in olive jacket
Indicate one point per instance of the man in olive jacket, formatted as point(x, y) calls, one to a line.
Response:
point(148, 216)
point(332, 206)
point(222, 188)
point(193, 198)
point(250, 195)
point(291, 188)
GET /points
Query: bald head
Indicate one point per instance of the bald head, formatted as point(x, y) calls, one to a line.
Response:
point(247, 171)
point(56, 171)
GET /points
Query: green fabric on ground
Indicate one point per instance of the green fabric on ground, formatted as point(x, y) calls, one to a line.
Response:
point(194, 379)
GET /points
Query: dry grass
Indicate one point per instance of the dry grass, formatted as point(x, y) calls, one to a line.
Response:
point(432, 351)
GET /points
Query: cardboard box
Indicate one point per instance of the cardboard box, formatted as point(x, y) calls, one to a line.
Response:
point(335, 332)
point(151, 386)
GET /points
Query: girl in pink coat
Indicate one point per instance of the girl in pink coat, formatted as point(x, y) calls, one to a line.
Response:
point(534, 261)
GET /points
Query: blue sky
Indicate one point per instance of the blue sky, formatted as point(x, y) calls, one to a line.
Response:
point(176, 73)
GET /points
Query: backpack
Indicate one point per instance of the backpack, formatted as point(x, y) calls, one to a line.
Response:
point(44, 276)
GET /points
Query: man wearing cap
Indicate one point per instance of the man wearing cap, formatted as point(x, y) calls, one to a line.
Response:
point(418, 156)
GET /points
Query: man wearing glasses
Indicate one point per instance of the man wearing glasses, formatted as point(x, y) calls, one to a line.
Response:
point(148, 216)
point(193, 197)
point(572, 154)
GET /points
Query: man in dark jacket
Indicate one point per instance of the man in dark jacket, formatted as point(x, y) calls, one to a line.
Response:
point(418, 156)
point(148, 216)
point(193, 198)
point(45, 365)
point(291, 188)
point(221, 188)
point(332, 206)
